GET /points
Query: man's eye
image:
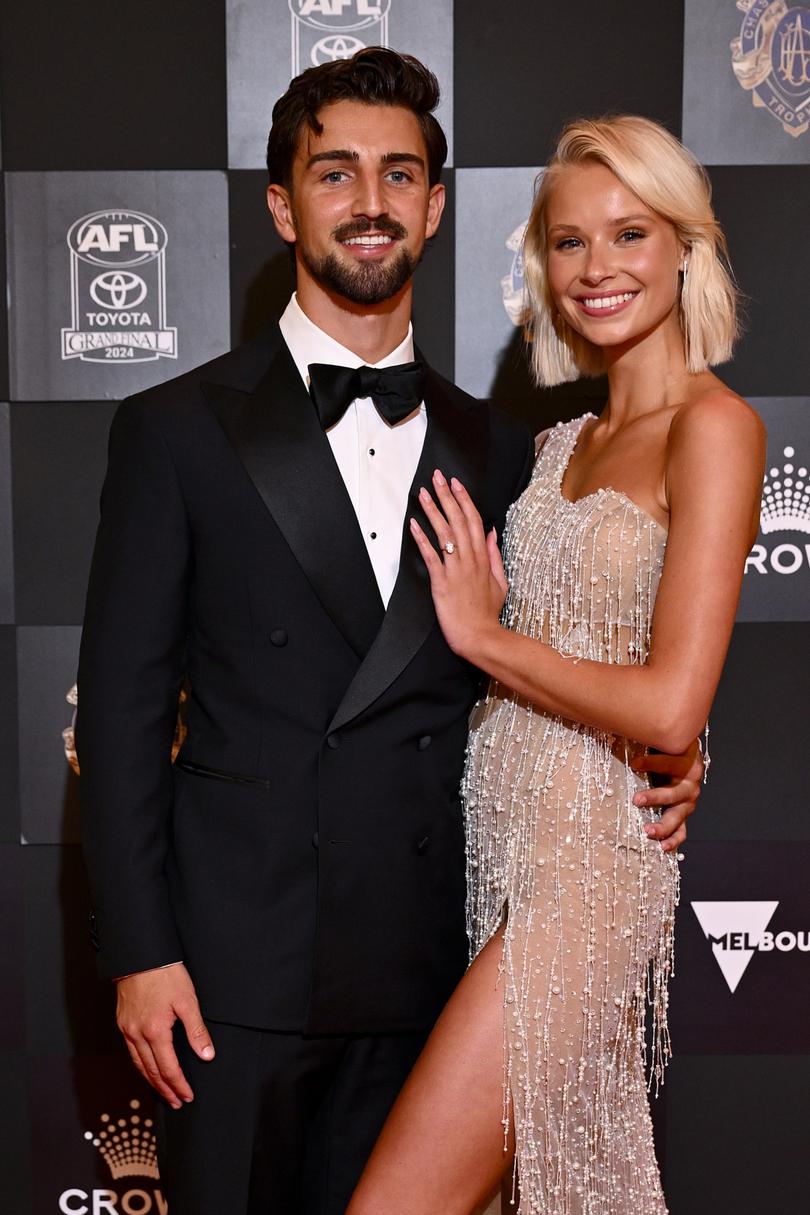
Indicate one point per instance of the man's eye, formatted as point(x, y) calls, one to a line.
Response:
point(335, 175)
point(399, 175)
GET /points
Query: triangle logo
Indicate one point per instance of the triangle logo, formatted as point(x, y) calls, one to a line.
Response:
point(734, 929)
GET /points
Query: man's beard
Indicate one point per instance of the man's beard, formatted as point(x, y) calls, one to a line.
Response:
point(366, 282)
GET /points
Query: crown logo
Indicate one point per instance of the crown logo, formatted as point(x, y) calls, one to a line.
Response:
point(785, 498)
point(127, 1147)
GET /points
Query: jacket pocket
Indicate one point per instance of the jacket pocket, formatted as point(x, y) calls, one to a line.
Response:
point(231, 778)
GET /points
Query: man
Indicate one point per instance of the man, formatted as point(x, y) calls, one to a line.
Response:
point(291, 894)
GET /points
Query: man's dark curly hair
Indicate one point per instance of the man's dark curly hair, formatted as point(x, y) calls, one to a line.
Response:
point(375, 76)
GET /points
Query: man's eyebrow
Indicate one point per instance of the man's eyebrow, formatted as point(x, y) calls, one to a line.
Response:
point(405, 158)
point(333, 154)
point(345, 154)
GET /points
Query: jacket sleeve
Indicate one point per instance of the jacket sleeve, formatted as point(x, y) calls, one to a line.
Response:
point(131, 667)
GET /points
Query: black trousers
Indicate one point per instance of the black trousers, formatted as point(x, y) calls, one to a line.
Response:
point(281, 1124)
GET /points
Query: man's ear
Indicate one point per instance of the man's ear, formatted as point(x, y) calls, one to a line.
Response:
point(436, 200)
point(279, 205)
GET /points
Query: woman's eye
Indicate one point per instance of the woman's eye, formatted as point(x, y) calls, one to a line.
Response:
point(568, 242)
point(632, 234)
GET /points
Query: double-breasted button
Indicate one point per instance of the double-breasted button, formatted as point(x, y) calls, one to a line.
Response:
point(422, 845)
point(424, 742)
point(279, 637)
point(316, 843)
point(333, 742)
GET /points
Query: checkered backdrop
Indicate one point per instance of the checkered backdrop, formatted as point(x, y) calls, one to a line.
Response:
point(138, 245)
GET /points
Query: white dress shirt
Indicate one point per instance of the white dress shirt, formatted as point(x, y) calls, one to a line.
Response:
point(376, 460)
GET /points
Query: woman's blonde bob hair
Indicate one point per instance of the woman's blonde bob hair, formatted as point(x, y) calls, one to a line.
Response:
point(667, 178)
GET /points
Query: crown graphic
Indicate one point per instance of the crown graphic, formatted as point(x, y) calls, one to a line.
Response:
point(785, 497)
point(127, 1146)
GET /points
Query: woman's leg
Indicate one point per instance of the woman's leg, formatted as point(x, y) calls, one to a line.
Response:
point(442, 1148)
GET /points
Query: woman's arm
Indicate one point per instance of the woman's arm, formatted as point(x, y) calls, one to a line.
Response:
point(715, 462)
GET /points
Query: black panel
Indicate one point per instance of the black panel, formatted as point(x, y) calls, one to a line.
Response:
point(69, 1008)
point(759, 782)
point(757, 206)
point(524, 69)
point(94, 85)
point(59, 453)
point(737, 1136)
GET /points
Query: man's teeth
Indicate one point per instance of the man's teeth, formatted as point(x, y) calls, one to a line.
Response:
point(368, 241)
point(609, 301)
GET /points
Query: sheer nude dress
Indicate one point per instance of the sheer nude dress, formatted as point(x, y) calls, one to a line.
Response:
point(556, 850)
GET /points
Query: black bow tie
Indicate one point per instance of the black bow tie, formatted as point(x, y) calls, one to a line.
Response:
point(396, 391)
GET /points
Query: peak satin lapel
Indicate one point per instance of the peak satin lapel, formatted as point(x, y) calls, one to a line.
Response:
point(275, 432)
point(456, 441)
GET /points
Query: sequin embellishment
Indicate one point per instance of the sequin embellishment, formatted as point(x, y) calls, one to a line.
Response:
point(556, 850)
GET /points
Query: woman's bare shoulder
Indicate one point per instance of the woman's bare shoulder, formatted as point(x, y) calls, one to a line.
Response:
point(717, 409)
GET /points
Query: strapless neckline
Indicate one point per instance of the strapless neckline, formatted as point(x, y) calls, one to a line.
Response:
point(604, 490)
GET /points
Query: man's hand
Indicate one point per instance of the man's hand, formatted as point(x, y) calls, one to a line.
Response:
point(149, 1003)
point(679, 795)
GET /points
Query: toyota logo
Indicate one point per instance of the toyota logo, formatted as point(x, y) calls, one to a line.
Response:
point(118, 289)
point(337, 46)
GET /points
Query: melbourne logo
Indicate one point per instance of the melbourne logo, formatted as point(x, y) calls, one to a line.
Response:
point(323, 30)
point(118, 290)
point(736, 931)
point(771, 60)
point(785, 508)
point(127, 1147)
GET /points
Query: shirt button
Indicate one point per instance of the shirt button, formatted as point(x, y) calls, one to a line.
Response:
point(373, 535)
point(316, 843)
point(333, 742)
point(424, 742)
point(278, 637)
point(371, 451)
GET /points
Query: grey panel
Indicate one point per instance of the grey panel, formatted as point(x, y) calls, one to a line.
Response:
point(729, 118)
point(492, 207)
point(139, 294)
point(270, 41)
point(47, 658)
point(777, 577)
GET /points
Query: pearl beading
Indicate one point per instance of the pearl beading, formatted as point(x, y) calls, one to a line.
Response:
point(558, 857)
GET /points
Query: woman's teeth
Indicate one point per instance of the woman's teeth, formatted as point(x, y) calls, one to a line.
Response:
point(609, 301)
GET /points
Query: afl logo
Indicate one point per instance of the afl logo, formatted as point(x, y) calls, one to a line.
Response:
point(771, 60)
point(118, 316)
point(339, 14)
point(319, 29)
point(117, 238)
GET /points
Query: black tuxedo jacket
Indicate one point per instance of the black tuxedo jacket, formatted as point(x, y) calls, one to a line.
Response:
point(305, 856)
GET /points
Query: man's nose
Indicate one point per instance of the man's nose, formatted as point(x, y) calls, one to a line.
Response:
point(368, 197)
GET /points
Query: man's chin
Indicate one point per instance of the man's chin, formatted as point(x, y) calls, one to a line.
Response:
point(364, 281)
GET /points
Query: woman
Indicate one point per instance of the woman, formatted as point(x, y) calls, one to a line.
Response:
point(653, 505)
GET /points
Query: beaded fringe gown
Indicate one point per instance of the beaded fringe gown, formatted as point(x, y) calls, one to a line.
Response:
point(556, 851)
